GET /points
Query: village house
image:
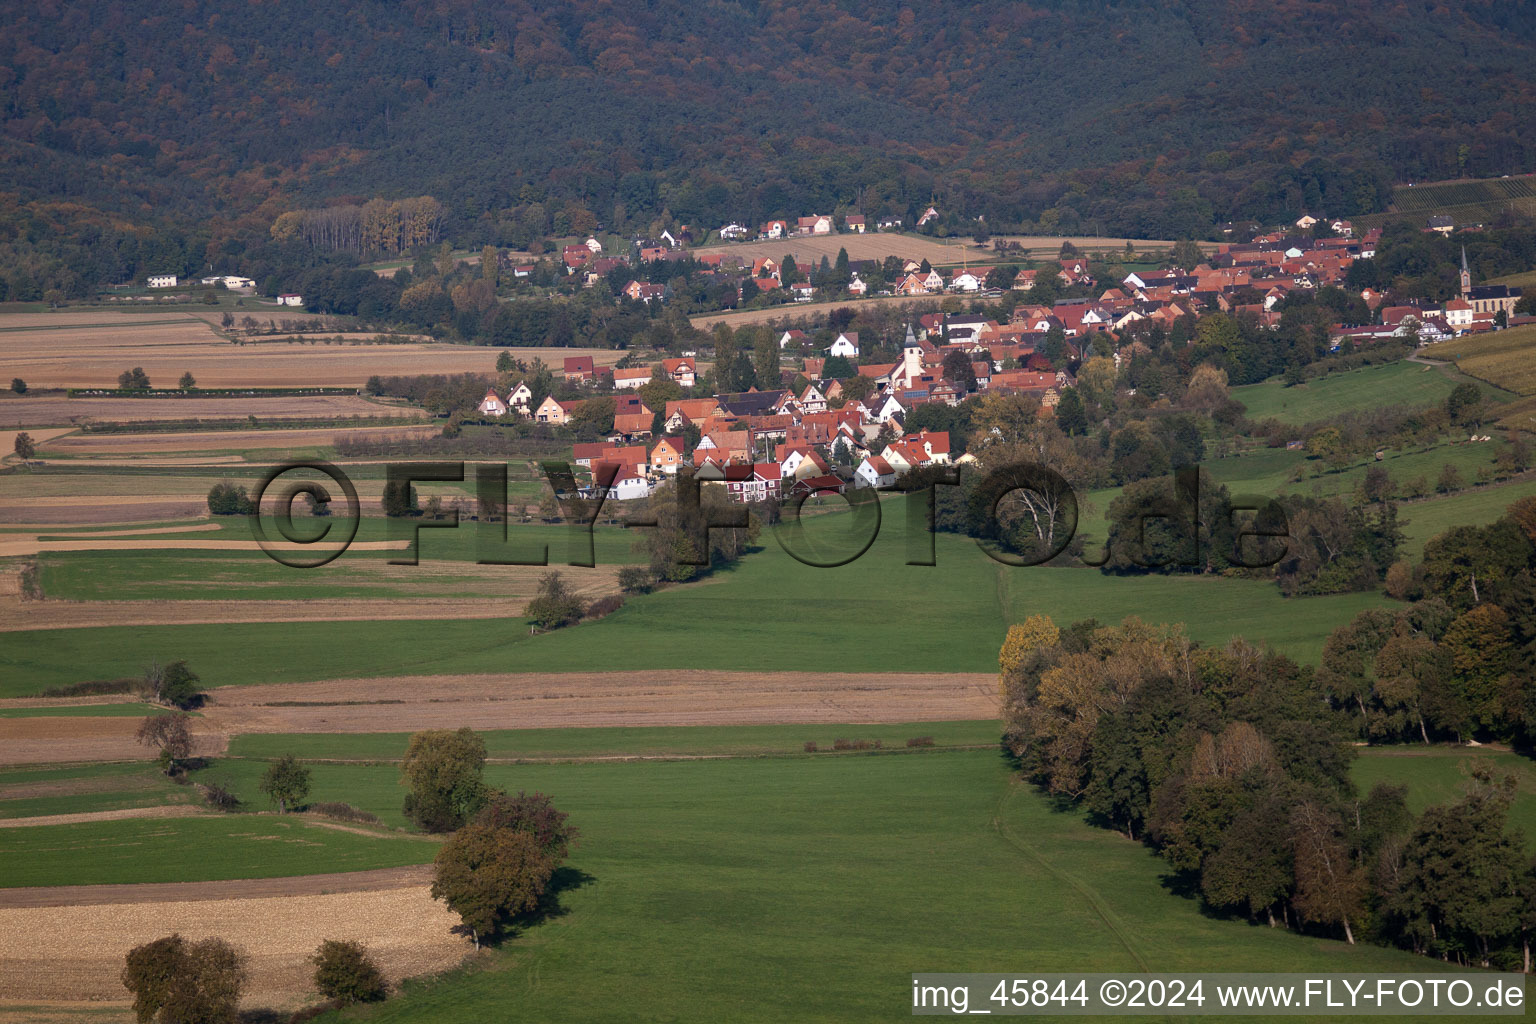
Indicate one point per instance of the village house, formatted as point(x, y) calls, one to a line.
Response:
point(492, 405)
point(683, 372)
point(639, 291)
point(555, 412)
point(290, 299)
point(518, 399)
point(162, 280)
point(874, 471)
point(632, 377)
point(668, 454)
point(845, 344)
point(854, 222)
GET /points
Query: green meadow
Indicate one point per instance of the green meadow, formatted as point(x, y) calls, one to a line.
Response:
point(1391, 385)
point(194, 850)
point(770, 611)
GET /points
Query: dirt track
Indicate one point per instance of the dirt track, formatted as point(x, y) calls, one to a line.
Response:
point(72, 948)
point(542, 701)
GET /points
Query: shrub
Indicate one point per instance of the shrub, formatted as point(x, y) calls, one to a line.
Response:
point(556, 604)
point(810, 747)
point(94, 688)
point(443, 770)
point(605, 605)
point(842, 744)
point(286, 783)
point(228, 498)
point(637, 579)
point(344, 812)
point(218, 797)
point(920, 741)
point(344, 972)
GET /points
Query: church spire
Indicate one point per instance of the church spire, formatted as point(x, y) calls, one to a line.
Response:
point(1466, 274)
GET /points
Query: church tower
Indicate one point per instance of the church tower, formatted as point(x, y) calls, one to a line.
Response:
point(911, 357)
point(1466, 274)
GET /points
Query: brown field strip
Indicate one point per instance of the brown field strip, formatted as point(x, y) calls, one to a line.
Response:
point(380, 879)
point(93, 356)
point(12, 544)
point(73, 952)
point(56, 409)
point(794, 313)
point(72, 739)
point(917, 247)
point(546, 701)
point(123, 814)
point(27, 615)
point(225, 440)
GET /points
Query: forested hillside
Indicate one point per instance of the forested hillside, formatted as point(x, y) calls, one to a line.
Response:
point(1124, 116)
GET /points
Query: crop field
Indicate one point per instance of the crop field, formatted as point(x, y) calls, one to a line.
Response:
point(811, 249)
point(1505, 359)
point(1394, 385)
point(57, 410)
point(76, 445)
point(90, 349)
point(1467, 201)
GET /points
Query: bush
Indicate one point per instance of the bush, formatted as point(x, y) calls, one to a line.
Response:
point(810, 747)
point(218, 797)
point(920, 741)
point(344, 972)
point(228, 498)
point(605, 605)
point(344, 812)
point(94, 688)
point(555, 606)
point(637, 579)
point(842, 744)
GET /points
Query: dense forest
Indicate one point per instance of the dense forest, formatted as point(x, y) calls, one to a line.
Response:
point(177, 136)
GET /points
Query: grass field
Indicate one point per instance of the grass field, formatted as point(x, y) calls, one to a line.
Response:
point(1506, 359)
point(193, 850)
point(1440, 775)
point(770, 611)
point(680, 741)
point(1393, 385)
point(834, 879)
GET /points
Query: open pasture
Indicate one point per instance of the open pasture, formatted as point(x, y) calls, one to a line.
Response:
point(1400, 385)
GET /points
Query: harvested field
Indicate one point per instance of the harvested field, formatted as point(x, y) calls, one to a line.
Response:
point(540, 700)
point(74, 952)
point(89, 352)
point(88, 614)
point(705, 321)
point(243, 888)
point(21, 544)
point(47, 410)
point(79, 738)
point(224, 440)
point(916, 247)
point(52, 512)
point(8, 439)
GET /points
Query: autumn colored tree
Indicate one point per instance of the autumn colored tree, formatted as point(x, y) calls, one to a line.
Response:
point(1329, 888)
point(489, 876)
point(170, 734)
point(174, 981)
